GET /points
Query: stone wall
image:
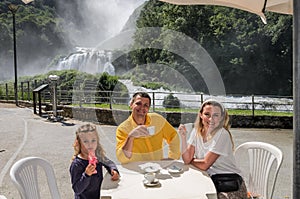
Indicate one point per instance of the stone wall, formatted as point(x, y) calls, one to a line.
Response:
point(115, 117)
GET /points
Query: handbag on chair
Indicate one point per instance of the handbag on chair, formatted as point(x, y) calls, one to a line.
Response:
point(227, 182)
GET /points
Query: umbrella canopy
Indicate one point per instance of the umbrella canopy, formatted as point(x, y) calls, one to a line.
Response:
point(254, 6)
point(27, 1)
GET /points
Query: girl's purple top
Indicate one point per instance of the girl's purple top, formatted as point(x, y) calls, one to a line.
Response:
point(84, 186)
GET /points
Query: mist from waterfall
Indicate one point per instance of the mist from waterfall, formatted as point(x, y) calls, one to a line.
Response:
point(102, 20)
point(85, 24)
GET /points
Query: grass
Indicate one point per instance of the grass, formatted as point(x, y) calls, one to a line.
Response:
point(260, 113)
point(230, 111)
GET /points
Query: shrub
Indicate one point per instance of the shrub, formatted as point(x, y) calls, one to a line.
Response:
point(171, 102)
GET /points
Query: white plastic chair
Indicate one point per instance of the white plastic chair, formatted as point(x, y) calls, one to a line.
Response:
point(261, 158)
point(24, 175)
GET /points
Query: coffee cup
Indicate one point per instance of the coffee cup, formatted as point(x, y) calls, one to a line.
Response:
point(150, 177)
point(189, 127)
point(151, 130)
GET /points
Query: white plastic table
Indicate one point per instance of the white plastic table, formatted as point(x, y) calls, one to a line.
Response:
point(188, 184)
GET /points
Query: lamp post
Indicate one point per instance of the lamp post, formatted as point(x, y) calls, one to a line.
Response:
point(13, 8)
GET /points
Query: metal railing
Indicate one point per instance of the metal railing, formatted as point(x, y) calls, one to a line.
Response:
point(187, 100)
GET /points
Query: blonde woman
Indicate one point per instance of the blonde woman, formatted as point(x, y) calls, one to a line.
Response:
point(210, 147)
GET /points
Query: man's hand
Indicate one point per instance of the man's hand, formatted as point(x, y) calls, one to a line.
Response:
point(139, 131)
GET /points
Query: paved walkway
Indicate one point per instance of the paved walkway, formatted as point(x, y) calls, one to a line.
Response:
point(25, 134)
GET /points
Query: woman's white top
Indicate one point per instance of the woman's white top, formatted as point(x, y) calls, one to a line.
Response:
point(219, 144)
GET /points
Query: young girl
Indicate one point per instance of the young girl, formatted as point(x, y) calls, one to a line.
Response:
point(210, 146)
point(86, 171)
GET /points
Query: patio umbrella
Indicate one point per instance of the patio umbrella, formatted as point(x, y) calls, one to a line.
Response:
point(27, 1)
point(259, 7)
point(254, 6)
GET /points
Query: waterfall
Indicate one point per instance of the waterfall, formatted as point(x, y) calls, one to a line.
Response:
point(192, 100)
point(88, 60)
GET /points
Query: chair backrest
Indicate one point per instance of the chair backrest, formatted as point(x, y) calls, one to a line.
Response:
point(261, 158)
point(24, 175)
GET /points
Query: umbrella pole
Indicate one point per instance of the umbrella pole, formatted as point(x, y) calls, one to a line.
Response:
point(296, 96)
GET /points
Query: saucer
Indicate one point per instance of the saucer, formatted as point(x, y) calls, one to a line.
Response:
point(151, 169)
point(175, 169)
point(151, 184)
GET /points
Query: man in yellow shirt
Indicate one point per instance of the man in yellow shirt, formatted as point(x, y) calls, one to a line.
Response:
point(134, 143)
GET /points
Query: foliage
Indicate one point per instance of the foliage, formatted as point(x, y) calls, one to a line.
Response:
point(39, 34)
point(78, 85)
point(107, 83)
point(154, 85)
point(247, 53)
point(170, 101)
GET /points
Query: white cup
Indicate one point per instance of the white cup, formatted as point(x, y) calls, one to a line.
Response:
point(189, 127)
point(150, 177)
point(151, 130)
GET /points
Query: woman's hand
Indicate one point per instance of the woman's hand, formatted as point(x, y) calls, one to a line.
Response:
point(182, 131)
point(187, 151)
point(114, 175)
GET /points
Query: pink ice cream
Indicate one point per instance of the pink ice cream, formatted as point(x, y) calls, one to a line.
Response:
point(93, 159)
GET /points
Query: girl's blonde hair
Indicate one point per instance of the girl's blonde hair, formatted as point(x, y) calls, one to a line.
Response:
point(86, 128)
point(224, 123)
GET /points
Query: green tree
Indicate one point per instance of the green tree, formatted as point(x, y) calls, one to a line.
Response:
point(247, 52)
point(39, 34)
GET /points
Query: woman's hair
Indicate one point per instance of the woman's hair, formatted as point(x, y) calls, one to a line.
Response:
point(224, 123)
point(86, 128)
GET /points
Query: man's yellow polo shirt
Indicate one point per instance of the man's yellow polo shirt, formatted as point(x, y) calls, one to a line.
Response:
point(150, 147)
